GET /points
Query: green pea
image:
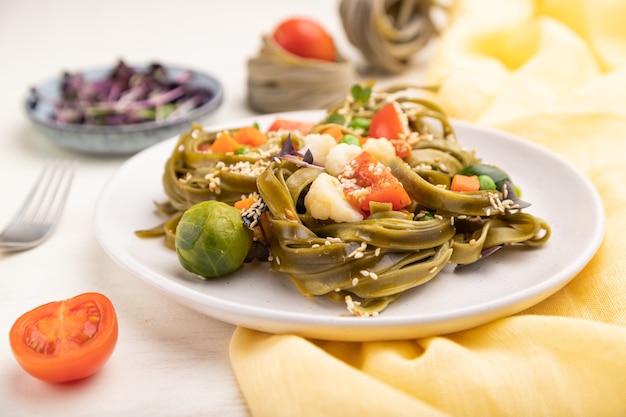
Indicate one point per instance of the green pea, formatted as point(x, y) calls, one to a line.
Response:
point(350, 140)
point(486, 182)
point(360, 123)
point(242, 151)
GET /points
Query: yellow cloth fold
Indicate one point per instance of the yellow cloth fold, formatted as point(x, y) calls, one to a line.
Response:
point(520, 366)
point(553, 72)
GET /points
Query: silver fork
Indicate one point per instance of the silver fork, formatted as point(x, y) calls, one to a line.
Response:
point(42, 208)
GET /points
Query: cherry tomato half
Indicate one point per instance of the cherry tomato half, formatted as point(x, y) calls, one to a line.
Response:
point(305, 38)
point(65, 340)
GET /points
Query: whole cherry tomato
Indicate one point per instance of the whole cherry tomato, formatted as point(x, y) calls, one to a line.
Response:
point(65, 340)
point(305, 38)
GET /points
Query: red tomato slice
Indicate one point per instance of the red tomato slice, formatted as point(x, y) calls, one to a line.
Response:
point(388, 122)
point(381, 186)
point(306, 39)
point(65, 340)
point(291, 125)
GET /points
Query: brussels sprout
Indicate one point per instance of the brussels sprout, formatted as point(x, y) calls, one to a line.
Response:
point(211, 239)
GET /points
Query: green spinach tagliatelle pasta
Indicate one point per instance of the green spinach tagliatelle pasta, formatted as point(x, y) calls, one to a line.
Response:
point(367, 263)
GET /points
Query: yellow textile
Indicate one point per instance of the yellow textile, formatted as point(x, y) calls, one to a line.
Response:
point(553, 72)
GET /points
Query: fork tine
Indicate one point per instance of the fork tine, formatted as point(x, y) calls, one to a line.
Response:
point(41, 209)
point(62, 190)
point(29, 204)
point(45, 201)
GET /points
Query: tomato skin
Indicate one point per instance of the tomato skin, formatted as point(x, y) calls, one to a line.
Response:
point(388, 123)
point(291, 125)
point(65, 340)
point(305, 38)
point(367, 172)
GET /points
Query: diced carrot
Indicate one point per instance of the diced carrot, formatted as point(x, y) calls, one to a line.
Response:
point(334, 130)
point(250, 136)
point(246, 203)
point(224, 143)
point(465, 183)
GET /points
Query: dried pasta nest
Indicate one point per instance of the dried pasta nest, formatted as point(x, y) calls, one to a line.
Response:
point(280, 81)
point(389, 32)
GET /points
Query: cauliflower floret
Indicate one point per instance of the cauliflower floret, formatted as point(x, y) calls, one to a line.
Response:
point(340, 156)
point(381, 149)
point(319, 145)
point(325, 200)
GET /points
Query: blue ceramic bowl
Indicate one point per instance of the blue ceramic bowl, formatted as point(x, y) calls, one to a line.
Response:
point(121, 139)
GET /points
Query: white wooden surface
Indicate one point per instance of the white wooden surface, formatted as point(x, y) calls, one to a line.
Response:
point(169, 361)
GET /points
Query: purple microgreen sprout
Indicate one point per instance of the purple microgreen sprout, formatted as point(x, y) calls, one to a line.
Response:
point(290, 154)
point(125, 96)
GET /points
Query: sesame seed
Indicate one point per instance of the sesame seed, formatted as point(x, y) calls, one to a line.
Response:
point(290, 214)
point(358, 252)
point(349, 303)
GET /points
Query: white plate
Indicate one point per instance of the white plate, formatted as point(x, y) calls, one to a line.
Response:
point(508, 282)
